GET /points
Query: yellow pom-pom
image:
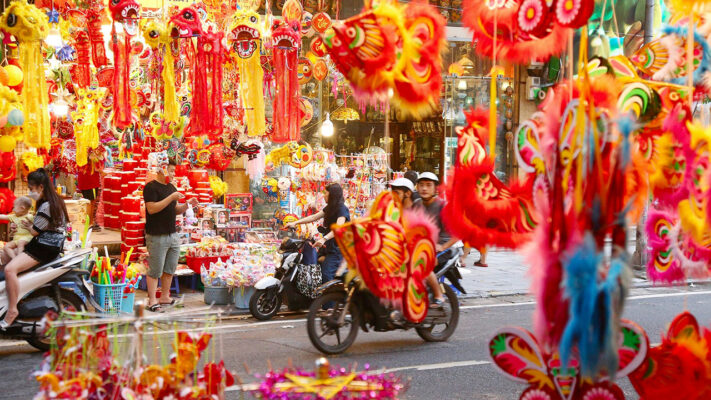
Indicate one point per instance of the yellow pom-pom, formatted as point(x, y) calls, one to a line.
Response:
point(7, 143)
point(14, 75)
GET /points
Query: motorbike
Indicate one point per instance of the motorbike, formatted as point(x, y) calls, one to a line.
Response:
point(271, 291)
point(60, 285)
point(340, 310)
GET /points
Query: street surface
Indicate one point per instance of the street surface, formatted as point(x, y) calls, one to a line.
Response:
point(458, 369)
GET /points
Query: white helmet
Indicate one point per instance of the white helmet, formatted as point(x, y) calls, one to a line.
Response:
point(428, 176)
point(402, 183)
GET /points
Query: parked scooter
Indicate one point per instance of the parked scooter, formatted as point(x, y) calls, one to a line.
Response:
point(336, 315)
point(40, 292)
point(282, 287)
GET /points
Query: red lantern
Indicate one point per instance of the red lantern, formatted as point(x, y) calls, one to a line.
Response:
point(8, 167)
point(7, 198)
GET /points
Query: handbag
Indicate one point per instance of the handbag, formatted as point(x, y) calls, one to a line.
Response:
point(51, 239)
point(309, 279)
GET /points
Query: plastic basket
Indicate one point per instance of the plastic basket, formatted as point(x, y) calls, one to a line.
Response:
point(127, 302)
point(219, 296)
point(109, 297)
point(242, 295)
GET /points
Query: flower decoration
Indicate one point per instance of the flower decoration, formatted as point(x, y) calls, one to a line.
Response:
point(573, 13)
point(533, 17)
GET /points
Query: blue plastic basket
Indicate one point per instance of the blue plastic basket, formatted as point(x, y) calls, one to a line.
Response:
point(127, 302)
point(109, 297)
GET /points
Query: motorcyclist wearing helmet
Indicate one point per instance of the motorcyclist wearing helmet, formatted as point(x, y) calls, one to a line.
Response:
point(427, 184)
point(403, 189)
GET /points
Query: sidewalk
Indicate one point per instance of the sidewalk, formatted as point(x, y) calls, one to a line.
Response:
point(507, 274)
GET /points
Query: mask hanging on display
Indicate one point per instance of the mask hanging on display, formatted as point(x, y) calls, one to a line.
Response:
point(125, 12)
point(86, 121)
point(158, 38)
point(207, 112)
point(286, 37)
point(246, 38)
point(29, 25)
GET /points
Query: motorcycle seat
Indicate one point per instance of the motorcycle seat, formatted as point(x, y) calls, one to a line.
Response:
point(53, 264)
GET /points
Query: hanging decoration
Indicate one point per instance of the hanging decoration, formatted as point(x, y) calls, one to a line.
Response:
point(515, 352)
point(492, 214)
point(246, 37)
point(126, 13)
point(207, 112)
point(30, 27)
point(286, 38)
point(158, 38)
point(86, 122)
point(392, 252)
point(392, 53)
point(523, 30)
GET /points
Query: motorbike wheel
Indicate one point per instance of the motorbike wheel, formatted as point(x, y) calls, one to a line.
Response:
point(265, 304)
point(70, 302)
point(431, 333)
point(322, 325)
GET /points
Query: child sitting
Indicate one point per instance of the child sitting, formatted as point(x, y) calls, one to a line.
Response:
point(20, 213)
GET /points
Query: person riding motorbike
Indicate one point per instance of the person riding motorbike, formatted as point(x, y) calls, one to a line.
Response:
point(335, 212)
point(403, 189)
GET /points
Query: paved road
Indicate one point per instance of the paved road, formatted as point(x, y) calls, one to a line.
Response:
point(458, 369)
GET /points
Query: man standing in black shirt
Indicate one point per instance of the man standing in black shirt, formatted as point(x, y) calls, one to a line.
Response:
point(162, 241)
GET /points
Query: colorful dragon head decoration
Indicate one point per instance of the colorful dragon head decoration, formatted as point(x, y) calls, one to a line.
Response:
point(124, 10)
point(394, 48)
point(156, 33)
point(392, 252)
point(24, 21)
point(245, 32)
point(186, 23)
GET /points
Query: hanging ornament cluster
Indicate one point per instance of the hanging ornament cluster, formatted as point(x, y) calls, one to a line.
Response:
point(524, 30)
point(207, 112)
point(286, 42)
point(392, 53)
point(246, 38)
point(30, 26)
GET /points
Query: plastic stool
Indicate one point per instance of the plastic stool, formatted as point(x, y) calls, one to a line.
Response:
point(175, 287)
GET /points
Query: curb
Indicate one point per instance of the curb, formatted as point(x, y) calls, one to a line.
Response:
point(637, 285)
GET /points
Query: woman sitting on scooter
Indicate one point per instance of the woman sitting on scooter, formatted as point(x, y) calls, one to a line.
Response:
point(335, 212)
point(48, 237)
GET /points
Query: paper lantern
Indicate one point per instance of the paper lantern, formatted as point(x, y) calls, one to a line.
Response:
point(15, 117)
point(321, 22)
point(320, 70)
point(8, 166)
point(7, 143)
point(14, 75)
point(7, 198)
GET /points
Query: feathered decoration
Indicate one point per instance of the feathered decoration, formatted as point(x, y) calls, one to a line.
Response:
point(595, 307)
point(29, 25)
point(512, 43)
point(392, 252)
point(286, 35)
point(662, 265)
point(678, 368)
point(394, 55)
point(246, 36)
point(491, 214)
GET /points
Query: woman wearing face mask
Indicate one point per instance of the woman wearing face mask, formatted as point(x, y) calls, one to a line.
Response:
point(48, 237)
point(335, 212)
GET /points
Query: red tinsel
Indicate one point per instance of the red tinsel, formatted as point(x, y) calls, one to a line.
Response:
point(8, 167)
point(121, 89)
point(7, 198)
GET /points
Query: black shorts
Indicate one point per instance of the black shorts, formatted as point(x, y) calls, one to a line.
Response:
point(40, 252)
point(91, 194)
